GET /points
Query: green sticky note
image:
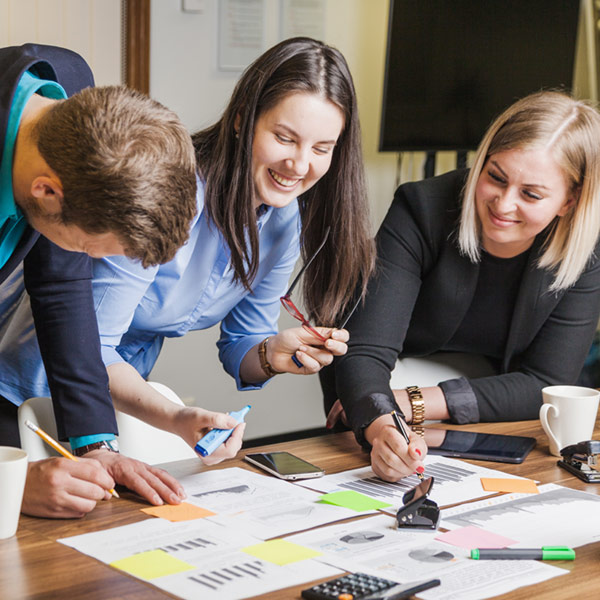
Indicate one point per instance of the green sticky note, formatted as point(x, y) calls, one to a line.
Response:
point(280, 552)
point(353, 500)
point(151, 564)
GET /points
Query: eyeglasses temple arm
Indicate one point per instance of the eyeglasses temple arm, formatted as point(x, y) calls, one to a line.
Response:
point(306, 265)
point(343, 325)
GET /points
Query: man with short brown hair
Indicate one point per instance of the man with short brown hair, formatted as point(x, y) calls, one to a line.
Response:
point(98, 172)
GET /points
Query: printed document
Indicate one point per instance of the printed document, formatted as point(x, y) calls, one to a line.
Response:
point(261, 505)
point(454, 481)
point(557, 516)
point(208, 559)
point(373, 545)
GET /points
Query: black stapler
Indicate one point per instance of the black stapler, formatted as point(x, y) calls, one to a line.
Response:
point(418, 512)
point(583, 460)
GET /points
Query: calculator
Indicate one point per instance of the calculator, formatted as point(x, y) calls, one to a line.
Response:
point(360, 586)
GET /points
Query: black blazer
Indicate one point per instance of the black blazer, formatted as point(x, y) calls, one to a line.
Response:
point(420, 295)
point(59, 282)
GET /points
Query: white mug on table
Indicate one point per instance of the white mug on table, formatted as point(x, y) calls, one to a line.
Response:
point(13, 471)
point(568, 415)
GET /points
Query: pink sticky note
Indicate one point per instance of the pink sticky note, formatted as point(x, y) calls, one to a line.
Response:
point(523, 486)
point(474, 537)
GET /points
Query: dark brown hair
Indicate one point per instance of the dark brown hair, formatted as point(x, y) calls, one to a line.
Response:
point(127, 166)
point(338, 200)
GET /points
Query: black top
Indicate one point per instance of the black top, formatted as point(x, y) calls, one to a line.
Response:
point(418, 302)
point(484, 329)
point(59, 282)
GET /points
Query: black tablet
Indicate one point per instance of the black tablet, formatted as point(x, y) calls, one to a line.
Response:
point(481, 446)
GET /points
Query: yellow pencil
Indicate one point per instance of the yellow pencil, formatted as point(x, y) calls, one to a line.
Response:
point(54, 444)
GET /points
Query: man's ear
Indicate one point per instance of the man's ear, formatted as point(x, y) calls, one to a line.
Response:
point(47, 192)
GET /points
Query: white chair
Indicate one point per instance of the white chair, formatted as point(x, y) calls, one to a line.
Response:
point(137, 439)
point(38, 411)
point(430, 370)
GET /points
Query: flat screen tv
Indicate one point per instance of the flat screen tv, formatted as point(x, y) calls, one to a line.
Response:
point(454, 65)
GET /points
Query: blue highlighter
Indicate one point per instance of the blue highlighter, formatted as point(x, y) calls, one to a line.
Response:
point(215, 437)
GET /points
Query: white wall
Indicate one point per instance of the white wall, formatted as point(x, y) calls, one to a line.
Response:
point(90, 27)
point(184, 76)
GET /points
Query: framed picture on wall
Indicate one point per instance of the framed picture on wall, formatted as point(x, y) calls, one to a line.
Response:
point(241, 33)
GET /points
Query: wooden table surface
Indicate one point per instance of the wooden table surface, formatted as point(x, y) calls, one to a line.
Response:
point(34, 566)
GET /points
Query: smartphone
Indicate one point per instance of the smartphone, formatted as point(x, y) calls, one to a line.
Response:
point(284, 465)
point(481, 446)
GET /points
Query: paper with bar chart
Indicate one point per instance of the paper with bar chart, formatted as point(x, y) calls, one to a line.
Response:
point(203, 559)
point(455, 481)
point(573, 516)
point(375, 546)
point(263, 506)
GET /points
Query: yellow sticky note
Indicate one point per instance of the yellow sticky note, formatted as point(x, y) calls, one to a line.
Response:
point(280, 552)
point(178, 512)
point(523, 486)
point(151, 564)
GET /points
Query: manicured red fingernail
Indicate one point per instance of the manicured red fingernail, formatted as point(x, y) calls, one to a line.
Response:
point(420, 470)
point(418, 451)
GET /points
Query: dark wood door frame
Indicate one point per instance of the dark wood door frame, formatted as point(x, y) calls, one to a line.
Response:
point(136, 15)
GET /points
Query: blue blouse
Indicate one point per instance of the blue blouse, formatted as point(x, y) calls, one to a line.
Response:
point(137, 308)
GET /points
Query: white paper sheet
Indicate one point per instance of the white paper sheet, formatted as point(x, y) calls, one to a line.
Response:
point(223, 572)
point(374, 546)
point(237, 575)
point(455, 481)
point(557, 516)
point(190, 541)
point(261, 505)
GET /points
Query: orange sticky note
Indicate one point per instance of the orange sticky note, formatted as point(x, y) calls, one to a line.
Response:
point(522, 486)
point(178, 512)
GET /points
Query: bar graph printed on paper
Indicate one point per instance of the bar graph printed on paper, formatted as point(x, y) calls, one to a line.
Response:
point(373, 486)
point(218, 578)
point(188, 545)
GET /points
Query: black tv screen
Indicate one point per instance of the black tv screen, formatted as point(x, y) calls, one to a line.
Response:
point(454, 65)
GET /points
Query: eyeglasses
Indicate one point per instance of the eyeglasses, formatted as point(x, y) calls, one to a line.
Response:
point(293, 309)
point(290, 306)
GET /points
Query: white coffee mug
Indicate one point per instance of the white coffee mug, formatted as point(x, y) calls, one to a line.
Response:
point(13, 470)
point(568, 415)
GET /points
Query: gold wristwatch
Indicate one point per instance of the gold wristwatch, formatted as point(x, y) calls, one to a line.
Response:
point(417, 405)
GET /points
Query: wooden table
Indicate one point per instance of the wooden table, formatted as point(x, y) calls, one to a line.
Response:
point(34, 566)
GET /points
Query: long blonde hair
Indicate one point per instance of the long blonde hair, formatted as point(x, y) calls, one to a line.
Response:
point(570, 130)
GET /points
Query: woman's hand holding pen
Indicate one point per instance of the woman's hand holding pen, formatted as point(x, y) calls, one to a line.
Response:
point(391, 457)
point(313, 353)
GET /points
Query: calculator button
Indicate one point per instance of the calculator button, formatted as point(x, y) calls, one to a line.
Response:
point(345, 597)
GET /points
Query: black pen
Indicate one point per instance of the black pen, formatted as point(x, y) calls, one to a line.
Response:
point(400, 428)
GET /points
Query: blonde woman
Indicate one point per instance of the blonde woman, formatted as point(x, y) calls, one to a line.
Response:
point(500, 261)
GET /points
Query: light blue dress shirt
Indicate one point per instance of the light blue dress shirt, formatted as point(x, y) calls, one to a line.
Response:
point(137, 308)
